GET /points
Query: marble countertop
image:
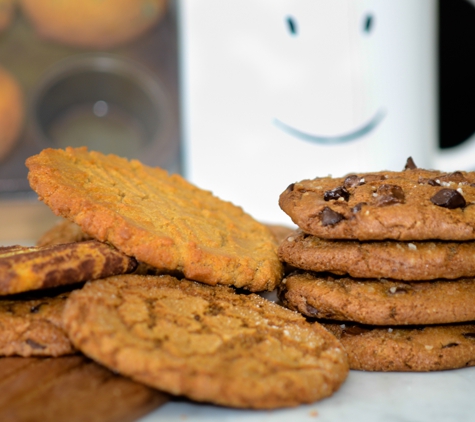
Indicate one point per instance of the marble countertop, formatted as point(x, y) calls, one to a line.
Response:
point(365, 396)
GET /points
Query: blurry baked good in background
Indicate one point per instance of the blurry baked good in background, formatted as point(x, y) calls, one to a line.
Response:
point(7, 8)
point(11, 111)
point(92, 23)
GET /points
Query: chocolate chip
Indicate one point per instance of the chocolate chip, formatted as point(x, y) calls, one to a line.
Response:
point(355, 330)
point(410, 165)
point(456, 177)
point(34, 345)
point(330, 217)
point(311, 310)
point(357, 207)
point(389, 195)
point(470, 336)
point(433, 182)
point(448, 198)
point(290, 188)
point(337, 193)
point(35, 309)
point(352, 181)
point(446, 346)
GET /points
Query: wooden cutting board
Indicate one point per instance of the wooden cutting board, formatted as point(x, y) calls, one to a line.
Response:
point(71, 388)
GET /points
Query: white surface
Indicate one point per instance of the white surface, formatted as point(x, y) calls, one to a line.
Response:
point(365, 396)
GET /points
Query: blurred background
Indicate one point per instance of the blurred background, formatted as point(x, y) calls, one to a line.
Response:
point(242, 97)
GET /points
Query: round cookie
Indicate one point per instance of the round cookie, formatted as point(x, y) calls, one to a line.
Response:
point(24, 268)
point(379, 302)
point(11, 112)
point(414, 204)
point(407, 349)
point(160, 219)
point(92, 23)
point(418, 260)
point(31, 326)
point(207, 343)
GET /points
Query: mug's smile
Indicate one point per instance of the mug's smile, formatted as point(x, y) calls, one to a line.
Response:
point(345, 137)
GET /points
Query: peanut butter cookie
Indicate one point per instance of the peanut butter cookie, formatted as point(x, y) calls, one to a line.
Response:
point(160, 219)
point(204, 342)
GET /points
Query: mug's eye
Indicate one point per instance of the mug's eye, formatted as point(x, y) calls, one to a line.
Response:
point(368, 23)
point(291, 25)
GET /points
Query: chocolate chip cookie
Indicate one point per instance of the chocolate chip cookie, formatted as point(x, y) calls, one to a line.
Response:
point(411, 349)
point(379, 302)
point(160, 219)
point(204, 342)
point(30, 325)
point(414, 204)
point(24, 268)
point(417, 260)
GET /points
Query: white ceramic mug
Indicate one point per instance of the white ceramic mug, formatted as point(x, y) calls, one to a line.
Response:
point(275, 91)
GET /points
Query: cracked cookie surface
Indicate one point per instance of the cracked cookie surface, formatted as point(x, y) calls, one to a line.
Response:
point(407, 349)
point(160, 219)
point(379, 302)
point(25, 268)
point(30, 325)
point(414, 204)
point(417, 260)
point(207, 343)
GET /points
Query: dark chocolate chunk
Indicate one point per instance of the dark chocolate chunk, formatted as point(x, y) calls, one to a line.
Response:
point(290, 188)
point(446, 346)
point(355, 330)
point(357, 207)
point(470, 336)
point(311, 310)
point(337, 193)
point(410, 165)
point(448, 198)
point(330, 217)
point(35, 309)
point(352, 181)
point(389, 195)
point(34, 345)
point(433, 182)
point(456, 177)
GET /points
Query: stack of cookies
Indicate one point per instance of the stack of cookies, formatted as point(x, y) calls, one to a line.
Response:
point(185, 329)
point(385, 261)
